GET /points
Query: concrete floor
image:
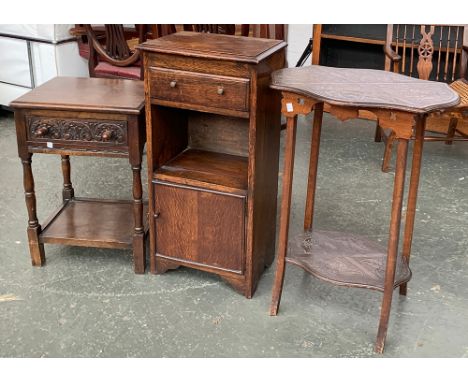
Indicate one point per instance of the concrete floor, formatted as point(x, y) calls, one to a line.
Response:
point(89, 303)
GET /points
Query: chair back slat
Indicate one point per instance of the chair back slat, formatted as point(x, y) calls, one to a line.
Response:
point(425, 52)
point(116, 43)
point(433, 52)
point(403, 49)
point(412, 51)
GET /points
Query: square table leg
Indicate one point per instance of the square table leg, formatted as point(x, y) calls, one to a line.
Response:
point(288, 170)
point(413, 193)
point(392, 250)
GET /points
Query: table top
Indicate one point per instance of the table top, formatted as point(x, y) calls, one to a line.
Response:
point(85, 94)
point(216, 46)
point(366, 88)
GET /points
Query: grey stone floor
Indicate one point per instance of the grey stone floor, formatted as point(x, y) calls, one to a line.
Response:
point(89, 303)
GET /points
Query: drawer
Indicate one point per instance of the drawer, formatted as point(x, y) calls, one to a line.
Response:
point(200, 227)
point(77, 132)
point(199, 89)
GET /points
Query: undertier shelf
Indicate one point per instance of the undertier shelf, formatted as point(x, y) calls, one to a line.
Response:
point(93, 223)
point(212, 170)
point(344, 259)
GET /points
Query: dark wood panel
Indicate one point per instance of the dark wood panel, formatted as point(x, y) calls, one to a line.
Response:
point(102, 94)
point(215, 170)
point(199, 65)
point(211, 132)
point(199, 89)
point(91, 222)
point(215, 46)
point(344, 259)
point(200, 227)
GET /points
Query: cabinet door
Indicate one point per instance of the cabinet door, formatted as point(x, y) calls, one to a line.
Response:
point(200, 227)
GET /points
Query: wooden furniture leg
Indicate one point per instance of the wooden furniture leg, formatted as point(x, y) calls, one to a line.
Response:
point(392, 251)
point(139, 232)
point(451, 130)
point(378, 133)
point(288, 169)
point(413, 193)
point(67, 193)
point(313, 166)
point(388, 152)
point(36, 249)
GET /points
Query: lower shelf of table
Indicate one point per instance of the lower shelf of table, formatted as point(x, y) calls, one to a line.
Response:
point(344, 259)
point(93, 223)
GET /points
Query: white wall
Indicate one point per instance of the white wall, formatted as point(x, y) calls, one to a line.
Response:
point(298, 37)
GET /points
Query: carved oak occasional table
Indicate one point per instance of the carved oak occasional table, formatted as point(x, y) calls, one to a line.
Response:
point(84, 116)
point(401, 104)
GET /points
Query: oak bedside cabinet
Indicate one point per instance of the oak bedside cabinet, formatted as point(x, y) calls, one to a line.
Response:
point(213, 130)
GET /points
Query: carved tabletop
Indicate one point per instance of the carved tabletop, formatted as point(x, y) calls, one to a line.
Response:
point(366, 88)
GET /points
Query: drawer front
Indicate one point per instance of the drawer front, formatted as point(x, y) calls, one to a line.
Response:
point(200, 227)
point(200, 89)
point(77, 132)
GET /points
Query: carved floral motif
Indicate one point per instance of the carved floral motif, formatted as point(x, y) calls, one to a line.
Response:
point(77, 130)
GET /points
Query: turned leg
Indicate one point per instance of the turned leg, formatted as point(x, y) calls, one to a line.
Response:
point(378, 133)
point(67, 193)
point(313, 166)
point(451, 130)
point(392, 250)
point(413, 194)
point(285, 213)
point(36, 249)
point(138, 232)
point(388, 152)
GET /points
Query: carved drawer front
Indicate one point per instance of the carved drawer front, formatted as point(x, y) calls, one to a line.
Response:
point(77, 131)
point(200, 227)
point(200, 89)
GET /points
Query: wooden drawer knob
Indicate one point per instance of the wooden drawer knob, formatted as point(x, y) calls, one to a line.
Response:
point(220, 90)
point(173, 84)
point(107, 135)
point(41, 131)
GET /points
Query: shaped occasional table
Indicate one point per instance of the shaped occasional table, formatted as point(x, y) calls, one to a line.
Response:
point(213, 128)
point(400, 103)
point(84, 116)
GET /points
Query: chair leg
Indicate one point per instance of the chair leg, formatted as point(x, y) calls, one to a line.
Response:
point(388, 152)
point(392, 251)
point(378, 133)
point(285, 214)
point(451, 130)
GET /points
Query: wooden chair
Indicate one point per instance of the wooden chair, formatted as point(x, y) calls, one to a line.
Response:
point(430, 52)
point(273, 31)
point(110, 48)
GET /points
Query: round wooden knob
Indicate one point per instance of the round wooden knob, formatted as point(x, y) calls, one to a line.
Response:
point(173, 84)
point(41, 131)
point(220, 90)
point(106, 135)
